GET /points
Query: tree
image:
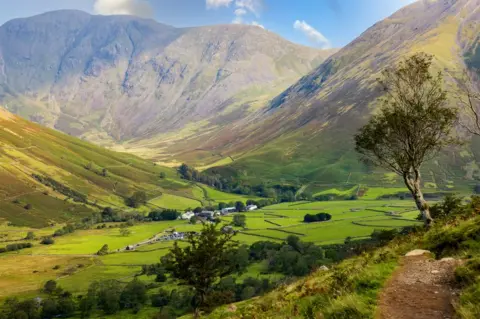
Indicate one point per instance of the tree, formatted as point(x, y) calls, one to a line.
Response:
point(240, 206)
point(50, 287)
point(469, 99)
point(202, 263)
point(104, 172)
point(137, 199)
point(134, 295)
point(411, 127)
point(47, 241)
point(30, 236)
point(103, 251)
point(240, 220)
point(163, 175)
point(125, 232)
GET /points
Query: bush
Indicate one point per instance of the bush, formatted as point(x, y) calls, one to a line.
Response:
point(320, 217)
point(47, 241)
point(103, 251)
point(28, 206)
point(30, 236)
point(384, 235)
point(137, 199)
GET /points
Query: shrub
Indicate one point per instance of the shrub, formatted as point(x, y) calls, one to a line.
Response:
point(47, 241)
point(103, 251)
point(30, 236)
point(28, 206)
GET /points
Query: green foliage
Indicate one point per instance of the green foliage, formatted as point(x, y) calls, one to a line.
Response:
point(137, 199)
point(15, 247)
point(168, 214)
point(240, 206)
point(30, 236)
point(202, 262)
point(125, 232)
point(412, 126)
point(50, 287)
point(47, 241)
point(320, 217)
point(59, 187)
point(103, 251)
point(134, 295)
point(240, 220)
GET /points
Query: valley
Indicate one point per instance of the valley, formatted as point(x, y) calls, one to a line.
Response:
point(222, 171)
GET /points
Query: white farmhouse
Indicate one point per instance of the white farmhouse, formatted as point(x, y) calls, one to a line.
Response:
point(187, 215)
point(249, 208)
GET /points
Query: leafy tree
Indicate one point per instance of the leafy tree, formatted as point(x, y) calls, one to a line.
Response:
point(125, 232)
point(163, 175)
point(134, 295)
point(161, 298)
point(198, 210)
point(108, 295)
point(30, 235)
point(103, 251)
point(240, 206)
point(202, 262)
point(50, 287)
point(411, 127)
point(222, 205)
point(137, 199)
point(240, 220)
point(104, 172)
point(47, 241)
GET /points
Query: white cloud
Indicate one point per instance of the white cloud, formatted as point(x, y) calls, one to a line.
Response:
point(213, 4)
point(312, 34)
point(254, 6)
point(240, 12)
point(139, 8)
point(255, 23)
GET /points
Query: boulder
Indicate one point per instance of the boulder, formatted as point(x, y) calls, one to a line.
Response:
point(418, 252)
point(323, 268)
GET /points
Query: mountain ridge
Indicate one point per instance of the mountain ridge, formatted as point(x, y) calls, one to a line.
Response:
point(135, 76)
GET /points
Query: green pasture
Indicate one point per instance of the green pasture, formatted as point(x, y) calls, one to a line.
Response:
point(175, 202)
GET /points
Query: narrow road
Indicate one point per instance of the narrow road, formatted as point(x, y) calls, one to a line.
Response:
point(422, 288)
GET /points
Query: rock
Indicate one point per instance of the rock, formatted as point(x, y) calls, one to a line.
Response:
point(418, 252)
point(435, 271)
point(448, 259)
point(323, 268)
point(232, 308)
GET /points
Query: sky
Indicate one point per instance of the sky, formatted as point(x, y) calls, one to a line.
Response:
point(317, 23)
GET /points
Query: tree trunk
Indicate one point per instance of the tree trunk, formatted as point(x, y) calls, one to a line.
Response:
point(413, 185)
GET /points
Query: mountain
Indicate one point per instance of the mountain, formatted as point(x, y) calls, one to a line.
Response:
point(305, 134)
point(48, 176)
point(117, 78)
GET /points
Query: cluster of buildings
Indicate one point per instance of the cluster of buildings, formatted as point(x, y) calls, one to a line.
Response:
point(210, 215)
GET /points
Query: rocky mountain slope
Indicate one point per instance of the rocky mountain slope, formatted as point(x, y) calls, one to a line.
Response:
point(306, 133)
point(121, 77)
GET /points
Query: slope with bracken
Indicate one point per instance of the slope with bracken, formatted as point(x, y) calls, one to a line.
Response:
point(116, 78)
point(47, 176)
point(306, 133)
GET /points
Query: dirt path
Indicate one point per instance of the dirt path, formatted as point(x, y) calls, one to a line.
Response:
point(422, 288)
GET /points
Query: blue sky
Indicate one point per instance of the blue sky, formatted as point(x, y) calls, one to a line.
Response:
point(319, 23)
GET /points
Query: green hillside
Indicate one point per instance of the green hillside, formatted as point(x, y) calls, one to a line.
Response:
point(48, 176)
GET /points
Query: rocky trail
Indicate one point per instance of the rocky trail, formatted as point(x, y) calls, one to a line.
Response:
point(422, 288)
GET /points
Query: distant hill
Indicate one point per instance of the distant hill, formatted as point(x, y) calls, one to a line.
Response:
point(48, 176)
point(116, 78)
